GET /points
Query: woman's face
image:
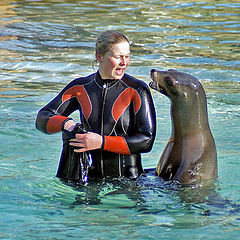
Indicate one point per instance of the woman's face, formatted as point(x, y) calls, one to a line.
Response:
point(115, 62)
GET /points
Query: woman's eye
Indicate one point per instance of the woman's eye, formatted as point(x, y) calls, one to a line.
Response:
point(120, 56)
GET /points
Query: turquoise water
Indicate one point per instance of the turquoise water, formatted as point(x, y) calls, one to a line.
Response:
point(46, 44)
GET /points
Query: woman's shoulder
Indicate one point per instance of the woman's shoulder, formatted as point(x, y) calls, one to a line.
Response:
point(133, 82)
point(83, 80)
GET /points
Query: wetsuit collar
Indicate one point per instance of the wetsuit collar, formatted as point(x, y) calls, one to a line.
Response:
point(101, 81)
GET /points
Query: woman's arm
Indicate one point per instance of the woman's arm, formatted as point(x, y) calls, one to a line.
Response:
point(54, 116)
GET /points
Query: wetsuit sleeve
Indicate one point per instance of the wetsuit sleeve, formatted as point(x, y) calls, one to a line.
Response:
point(142, 140)
point(51, 118)
point(116, 144)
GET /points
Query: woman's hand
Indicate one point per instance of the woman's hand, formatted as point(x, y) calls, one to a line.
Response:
point(87, 141)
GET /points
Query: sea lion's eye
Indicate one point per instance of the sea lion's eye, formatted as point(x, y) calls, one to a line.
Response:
point(168, 81)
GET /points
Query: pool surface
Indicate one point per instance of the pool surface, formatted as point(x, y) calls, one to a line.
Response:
point(46, 44)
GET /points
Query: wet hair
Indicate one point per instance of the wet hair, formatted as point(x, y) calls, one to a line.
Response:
point(107, 39)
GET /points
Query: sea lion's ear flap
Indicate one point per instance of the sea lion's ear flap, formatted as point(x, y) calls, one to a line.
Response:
point(168, 81)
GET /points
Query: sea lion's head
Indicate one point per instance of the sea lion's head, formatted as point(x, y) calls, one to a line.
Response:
point(175, 84)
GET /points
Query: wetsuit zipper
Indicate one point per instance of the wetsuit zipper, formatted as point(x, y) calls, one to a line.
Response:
point(104, 94)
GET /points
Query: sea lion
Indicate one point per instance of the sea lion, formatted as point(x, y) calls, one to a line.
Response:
point(190, 154)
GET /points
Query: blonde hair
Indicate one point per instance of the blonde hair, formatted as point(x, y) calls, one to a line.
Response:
point(107, 39)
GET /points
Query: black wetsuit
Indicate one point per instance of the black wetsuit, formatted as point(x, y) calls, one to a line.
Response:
point(122, 111)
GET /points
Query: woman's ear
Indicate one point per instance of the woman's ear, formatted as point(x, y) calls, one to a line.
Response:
point(98, 57)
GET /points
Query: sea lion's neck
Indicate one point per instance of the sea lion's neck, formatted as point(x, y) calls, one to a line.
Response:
point(188, 119)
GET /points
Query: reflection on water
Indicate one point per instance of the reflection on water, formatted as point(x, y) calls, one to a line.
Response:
point(187, 34)
point(46, 44)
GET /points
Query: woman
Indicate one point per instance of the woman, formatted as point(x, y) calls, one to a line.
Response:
point(115, 108)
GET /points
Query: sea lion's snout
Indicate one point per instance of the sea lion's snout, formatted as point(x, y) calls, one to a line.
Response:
point(153, 71)
point(153, 84)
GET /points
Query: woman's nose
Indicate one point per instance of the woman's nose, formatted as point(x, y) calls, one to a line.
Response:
point(123, 61)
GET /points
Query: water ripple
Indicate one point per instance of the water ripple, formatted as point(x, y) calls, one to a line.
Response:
point(46, 44)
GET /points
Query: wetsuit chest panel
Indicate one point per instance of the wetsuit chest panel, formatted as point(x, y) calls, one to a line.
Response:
point(81, 95)
point(122, 104)
point(125, 98)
